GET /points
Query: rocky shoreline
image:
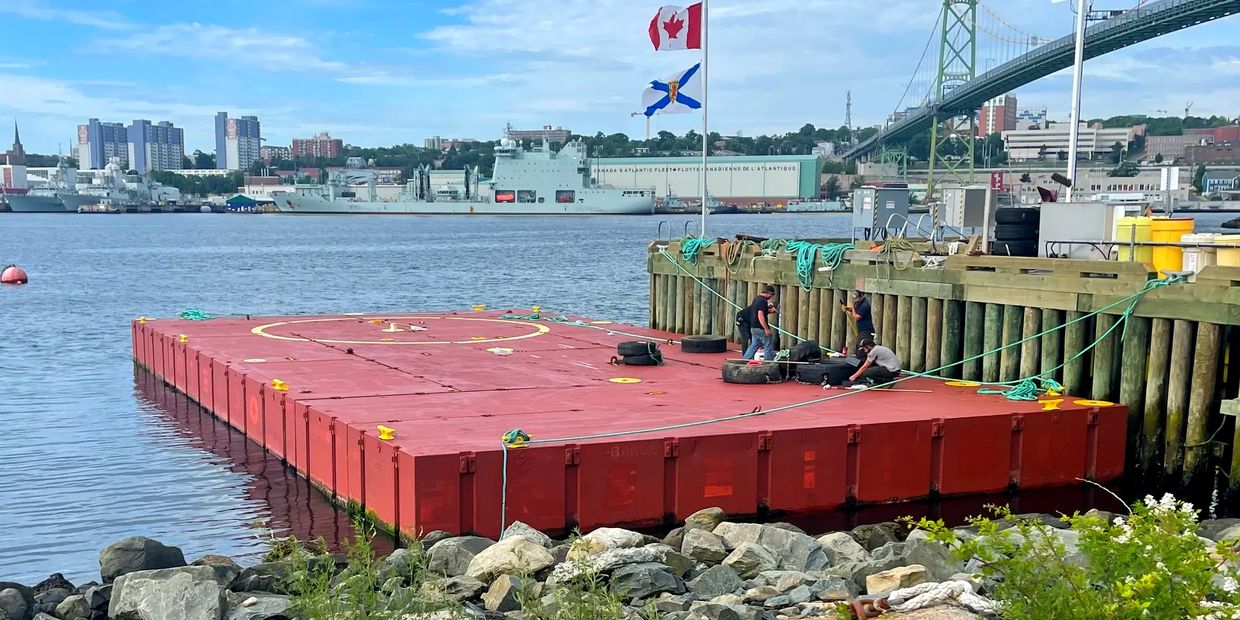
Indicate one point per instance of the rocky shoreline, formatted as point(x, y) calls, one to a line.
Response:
point(709, 569)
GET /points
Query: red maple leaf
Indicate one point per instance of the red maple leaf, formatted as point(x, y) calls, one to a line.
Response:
point(673, 26)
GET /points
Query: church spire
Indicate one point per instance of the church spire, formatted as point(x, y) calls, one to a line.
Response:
point(17, 140)
point(16, 156)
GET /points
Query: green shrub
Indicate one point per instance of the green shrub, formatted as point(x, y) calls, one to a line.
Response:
point(584, 597)
point(1151, 564)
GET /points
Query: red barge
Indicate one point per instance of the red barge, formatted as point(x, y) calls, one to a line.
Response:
point(403, 414)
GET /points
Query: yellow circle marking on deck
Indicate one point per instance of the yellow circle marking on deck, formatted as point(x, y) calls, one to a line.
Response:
point(625, 380)
point(538, 330)
point(254, 360)
point(962, 383)
point(1093, 403)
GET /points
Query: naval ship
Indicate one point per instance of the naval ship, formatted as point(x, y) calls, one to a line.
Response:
point(537, 181)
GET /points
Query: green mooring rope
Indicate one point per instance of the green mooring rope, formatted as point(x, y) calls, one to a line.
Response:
point(690, 247)
point(194, 314)
point(806, 252)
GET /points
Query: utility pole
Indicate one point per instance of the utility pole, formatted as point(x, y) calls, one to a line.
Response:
point(1074, 131)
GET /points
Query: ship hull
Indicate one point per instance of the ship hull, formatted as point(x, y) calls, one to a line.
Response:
point(302, 204)
point(35, 204)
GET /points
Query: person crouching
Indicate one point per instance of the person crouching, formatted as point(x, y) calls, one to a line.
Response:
point(881, 365)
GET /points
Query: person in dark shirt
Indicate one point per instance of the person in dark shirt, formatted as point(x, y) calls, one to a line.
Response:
point(756, 316)
point(859, 310)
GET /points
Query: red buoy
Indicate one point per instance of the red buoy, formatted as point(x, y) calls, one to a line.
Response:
point(13, 275)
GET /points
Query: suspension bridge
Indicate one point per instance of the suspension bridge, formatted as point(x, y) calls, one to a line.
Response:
point(944, 96)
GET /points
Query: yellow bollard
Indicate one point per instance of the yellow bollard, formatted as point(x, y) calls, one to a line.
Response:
point(183, 338)
point(480, 307)
point(279, 385)
point(386, 433)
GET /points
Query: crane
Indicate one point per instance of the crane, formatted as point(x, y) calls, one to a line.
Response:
point(1187, 106)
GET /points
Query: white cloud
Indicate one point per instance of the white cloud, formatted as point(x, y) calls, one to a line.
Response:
point(32, 9)
point(250, 47)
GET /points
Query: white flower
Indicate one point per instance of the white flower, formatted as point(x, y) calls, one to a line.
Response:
point(1229, 584)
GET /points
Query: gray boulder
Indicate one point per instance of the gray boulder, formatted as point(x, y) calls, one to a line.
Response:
point(675, 538)
point(256, 606)
point(55, 581)
point(749, 559)
point(44, 616)
point(515, 555)
point(137, 553)
point(264, 577)
point(1211, 528)
point(402, 563)
point(833, 588)
point(680, 564)
point(784, 580)
point(876, 535)
point(841, 547)
point(1228, 533)
point(434, 538)
point(705, 519)
point(97, 597)
point(462, 588)
point(760, 594)
point(704, 546)
point(47, 601)
point(13, 604)
point(502, 595)
point(184, 593)
point(792, 550)
point(798, 595)
point(716, 581)
point(451, 557)
point(640, 581)
point(74, 608)
point(225, 568)
point(940, 566)
point(520, 529)
point(723, 611)
point(671, 603)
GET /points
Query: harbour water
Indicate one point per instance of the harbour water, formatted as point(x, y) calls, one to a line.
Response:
point(91, 453)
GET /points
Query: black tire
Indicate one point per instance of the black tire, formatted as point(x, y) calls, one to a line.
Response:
point(642, 360)
point(636, 347)
point(1014, 248)
point(1016, 232)
point(1017, 215)
point(812, 374)
point(742, 372)
point(703, 344)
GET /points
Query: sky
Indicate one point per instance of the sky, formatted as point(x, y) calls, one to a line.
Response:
point(382, 72)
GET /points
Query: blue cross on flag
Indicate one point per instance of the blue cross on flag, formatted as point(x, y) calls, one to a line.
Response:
point(678, 94)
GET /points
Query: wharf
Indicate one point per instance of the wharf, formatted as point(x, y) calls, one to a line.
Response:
point(314, 391)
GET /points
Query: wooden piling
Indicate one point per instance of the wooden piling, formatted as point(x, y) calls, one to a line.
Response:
point(974, 327)
point(1103, 368)
point(789, 308)
point(917, 335)
point(889, 332)
point(840, 330)
point(1155, 394)
point(953, 337)
point(1181, 364)
point(992, 339)
point(1073, 345)
point(877, 310)
point(806, 320)
point(1030, 352)
point(826, 315)
point(1200, 404)
point(934, 334)
point(1009, 358)
point(678, 323)
point(1135, 351)
point(1052, 344)
point(904, 326)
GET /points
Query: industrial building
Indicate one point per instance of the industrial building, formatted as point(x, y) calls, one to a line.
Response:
point(155, 147)
point(237, 141)
point(321, 146)
point(1027, 118)
point(1050, 142)
point(742, 180)
point(272, 153)
point(99, 142)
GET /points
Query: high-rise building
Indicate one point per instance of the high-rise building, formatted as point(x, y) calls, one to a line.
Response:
point(238, 141)
point(155, 147)
point(997, 116)
point(99, 142)
point(272, 153)
point(321, 146)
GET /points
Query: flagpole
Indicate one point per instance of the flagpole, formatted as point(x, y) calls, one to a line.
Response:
point(705, 99)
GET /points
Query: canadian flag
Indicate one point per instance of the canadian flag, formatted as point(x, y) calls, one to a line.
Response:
point(676, 28)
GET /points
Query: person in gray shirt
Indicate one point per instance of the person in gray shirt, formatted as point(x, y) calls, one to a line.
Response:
point(880, 366)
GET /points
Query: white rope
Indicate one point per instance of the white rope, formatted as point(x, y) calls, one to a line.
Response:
point(932, 594)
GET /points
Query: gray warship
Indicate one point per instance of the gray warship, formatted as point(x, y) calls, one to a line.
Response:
point(537, 181)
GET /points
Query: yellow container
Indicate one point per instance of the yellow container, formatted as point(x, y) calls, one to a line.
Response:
point(1169, 230)
point(1229, 257)
point(1124, 233)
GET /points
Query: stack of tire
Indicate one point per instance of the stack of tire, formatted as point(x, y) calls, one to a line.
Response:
point(704, 344)
point(638, 353)
point(1016, 231)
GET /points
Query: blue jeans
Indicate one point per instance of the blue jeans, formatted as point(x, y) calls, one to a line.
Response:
point(757, 338)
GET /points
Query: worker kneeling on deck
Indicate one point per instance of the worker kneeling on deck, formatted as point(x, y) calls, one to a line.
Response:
point(880, 366)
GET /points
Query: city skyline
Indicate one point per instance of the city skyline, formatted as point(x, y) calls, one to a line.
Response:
point(376, 77)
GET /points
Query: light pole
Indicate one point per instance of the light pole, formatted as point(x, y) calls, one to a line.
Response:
point(1074, 131)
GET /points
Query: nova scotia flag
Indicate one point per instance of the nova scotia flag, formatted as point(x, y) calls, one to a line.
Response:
point(678, 94)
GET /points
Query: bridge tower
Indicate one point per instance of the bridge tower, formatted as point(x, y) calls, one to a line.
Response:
point(951, 135)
